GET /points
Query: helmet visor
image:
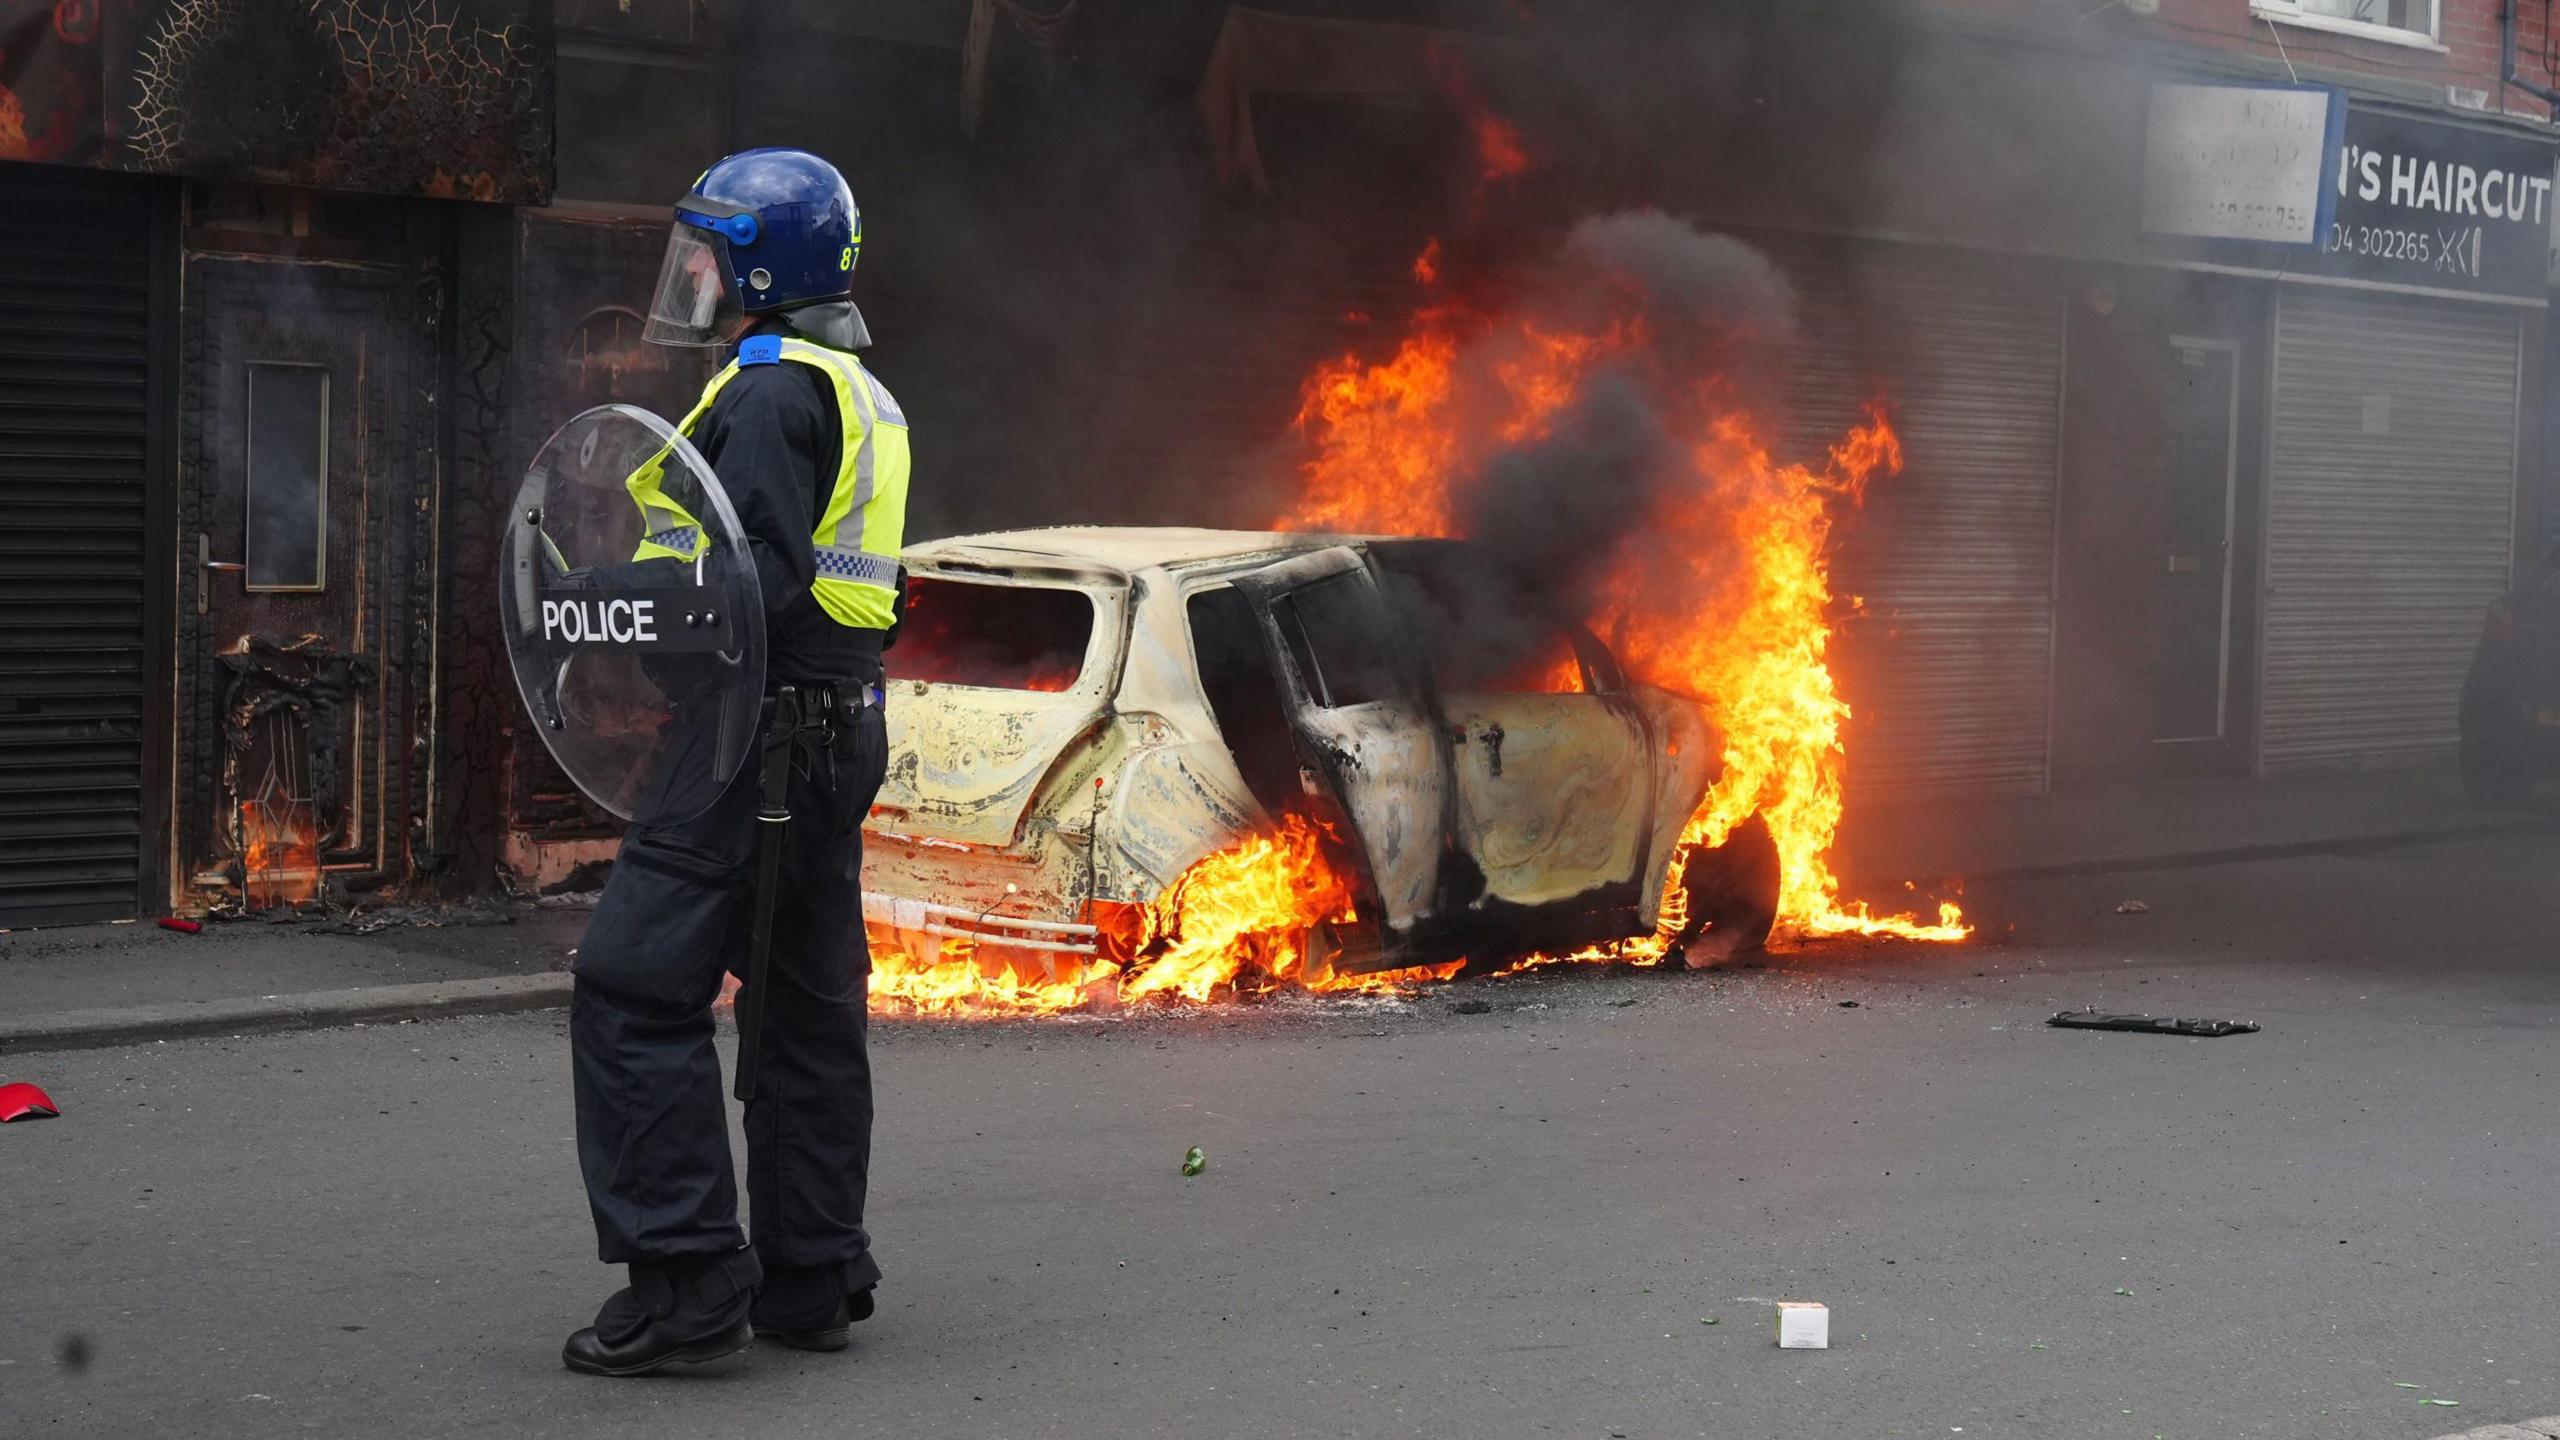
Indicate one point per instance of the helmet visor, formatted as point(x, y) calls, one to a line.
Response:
point(697, 301)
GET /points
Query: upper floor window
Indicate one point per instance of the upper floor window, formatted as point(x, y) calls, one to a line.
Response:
point(2404, 21)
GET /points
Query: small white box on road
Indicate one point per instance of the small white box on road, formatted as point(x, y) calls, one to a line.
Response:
point(1804, 1325)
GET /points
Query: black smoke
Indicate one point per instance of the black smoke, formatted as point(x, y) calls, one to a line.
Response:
point(1554, 520)
point(1085, 326)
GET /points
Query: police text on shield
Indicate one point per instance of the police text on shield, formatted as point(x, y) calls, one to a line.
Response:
point(588, 621)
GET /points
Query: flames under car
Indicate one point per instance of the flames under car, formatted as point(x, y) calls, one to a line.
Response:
point(1076, 716)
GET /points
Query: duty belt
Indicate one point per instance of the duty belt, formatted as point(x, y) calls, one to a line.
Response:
point(823, 718)
point(844, 698)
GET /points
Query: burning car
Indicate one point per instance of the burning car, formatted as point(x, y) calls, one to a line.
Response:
point(1081, 717)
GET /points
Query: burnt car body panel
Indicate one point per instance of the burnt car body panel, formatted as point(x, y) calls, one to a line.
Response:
point(1231, 677)
point(1552, 792)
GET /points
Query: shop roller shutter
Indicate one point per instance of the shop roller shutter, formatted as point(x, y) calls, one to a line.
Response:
point(75, 280)
point(1949, 668)
point(2390, 519)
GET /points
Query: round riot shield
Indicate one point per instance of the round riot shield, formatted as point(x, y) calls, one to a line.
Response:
point(633, 616)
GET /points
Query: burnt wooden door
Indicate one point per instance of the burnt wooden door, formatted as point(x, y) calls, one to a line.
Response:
point(307, 587)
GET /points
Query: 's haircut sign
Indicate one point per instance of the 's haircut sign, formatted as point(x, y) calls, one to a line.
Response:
point(2421, 202)
point(2297, 179)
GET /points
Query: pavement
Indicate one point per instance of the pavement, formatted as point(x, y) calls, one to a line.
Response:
point(116, 984)
point(2542, 1428)
point(1418, 1220)
point(2141, 825)
point(86, 985)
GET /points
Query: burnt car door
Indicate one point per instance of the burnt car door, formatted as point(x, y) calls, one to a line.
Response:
point(1367, 734)
point(1555, 761)
point(1555, 780)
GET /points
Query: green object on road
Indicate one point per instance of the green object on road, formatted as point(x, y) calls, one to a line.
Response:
point(2037, 1346)
point(1710, 1320)
point(1194, 1160)
point(2440, 1402)
point(2404, 1384)
point(2122, 1291)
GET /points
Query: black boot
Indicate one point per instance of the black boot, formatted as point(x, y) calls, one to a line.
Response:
point(815, 1307)
point(690, 1309)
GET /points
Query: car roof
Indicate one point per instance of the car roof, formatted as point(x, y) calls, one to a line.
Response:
point(1119, 547)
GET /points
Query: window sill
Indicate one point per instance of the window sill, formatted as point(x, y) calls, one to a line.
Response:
point(2360, 29)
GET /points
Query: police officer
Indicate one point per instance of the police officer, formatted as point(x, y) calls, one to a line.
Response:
point(813, 454)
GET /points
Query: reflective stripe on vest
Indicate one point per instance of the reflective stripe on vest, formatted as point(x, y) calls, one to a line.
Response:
point(835, 563)
point(669, 531)
point(862, 529)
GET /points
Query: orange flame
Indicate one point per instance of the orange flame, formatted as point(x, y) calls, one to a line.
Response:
point(1762, 667)
point(1242, 921)
point(962, 981)
point(1501, 153)
point(1250, 908)
point(1382, 428)
point(1729, 601)
point(279, 856)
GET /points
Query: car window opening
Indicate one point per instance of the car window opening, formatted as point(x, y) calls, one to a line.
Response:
point(1337, 636)
point(1529, 658)
point(997, 637)
point(1482, 640)
point(1244, 696)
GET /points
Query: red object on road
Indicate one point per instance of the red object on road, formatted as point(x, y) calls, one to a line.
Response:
point(23, 1101)
point(183, 927)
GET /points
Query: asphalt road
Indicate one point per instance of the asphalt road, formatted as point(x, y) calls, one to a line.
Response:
point(1417, 1221)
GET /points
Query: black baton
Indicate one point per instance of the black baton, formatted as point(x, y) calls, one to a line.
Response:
point(773, 815)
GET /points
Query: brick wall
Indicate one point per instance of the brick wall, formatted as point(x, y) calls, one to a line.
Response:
point(2468, 32)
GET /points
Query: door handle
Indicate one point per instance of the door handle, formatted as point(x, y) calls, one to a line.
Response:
point(206, 566)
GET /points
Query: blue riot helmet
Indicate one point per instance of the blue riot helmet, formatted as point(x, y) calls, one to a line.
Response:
point(764, 232)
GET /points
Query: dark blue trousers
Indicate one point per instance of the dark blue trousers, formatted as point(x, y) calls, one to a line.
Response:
point(653, 1131)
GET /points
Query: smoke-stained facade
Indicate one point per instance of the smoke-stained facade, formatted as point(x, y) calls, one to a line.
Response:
point(446, 98)
point(235, 289)
point(2170, 504)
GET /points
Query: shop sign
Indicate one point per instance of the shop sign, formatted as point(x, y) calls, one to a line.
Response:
point(2406, 202)
point(2424, 203)
point(2242, 162)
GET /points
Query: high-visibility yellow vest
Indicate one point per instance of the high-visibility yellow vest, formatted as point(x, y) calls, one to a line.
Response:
point(862, 530)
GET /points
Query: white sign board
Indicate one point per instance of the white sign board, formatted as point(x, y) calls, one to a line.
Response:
point(2239, 162)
